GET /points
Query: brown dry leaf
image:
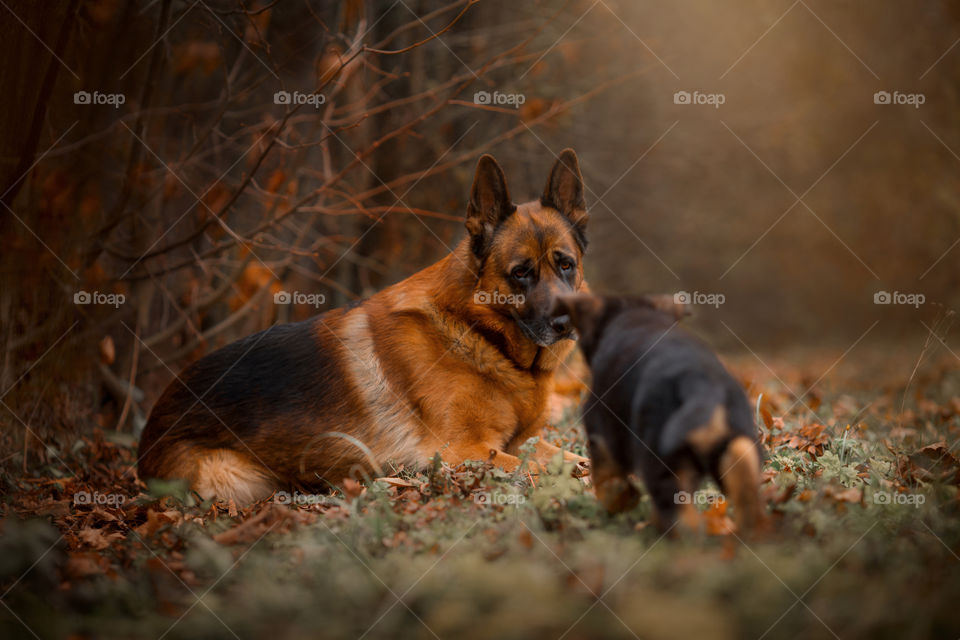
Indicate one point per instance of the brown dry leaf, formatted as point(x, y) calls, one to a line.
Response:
point(399, 482)
point(352, 489)
point(767, 417)
point(934, 462)
point(810, 438)
point(271, 518)
point(102, 514)
point(778, 496)
point(97, 538)
point(55, 508)
point(156, 520)
point(82, 564)
point(938, 450)
point(716, 520)
point(852, 495)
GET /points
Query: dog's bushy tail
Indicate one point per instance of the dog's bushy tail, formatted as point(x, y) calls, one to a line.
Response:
point(700, 422)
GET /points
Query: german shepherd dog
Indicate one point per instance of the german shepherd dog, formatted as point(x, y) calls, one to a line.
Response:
point(458, 359)
point(661, 406)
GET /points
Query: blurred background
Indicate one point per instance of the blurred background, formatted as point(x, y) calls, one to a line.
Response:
point(168, 167)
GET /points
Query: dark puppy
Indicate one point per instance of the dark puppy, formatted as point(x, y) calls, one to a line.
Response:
point(661, 406)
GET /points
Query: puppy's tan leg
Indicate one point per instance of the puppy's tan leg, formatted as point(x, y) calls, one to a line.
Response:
point(614, 489)
point(740, 477)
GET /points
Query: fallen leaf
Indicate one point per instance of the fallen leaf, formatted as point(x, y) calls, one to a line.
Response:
point(398, 482)
point(853, 495)
point(97, 538)
point(84, 564)
point(716, 520)
point(156, 520)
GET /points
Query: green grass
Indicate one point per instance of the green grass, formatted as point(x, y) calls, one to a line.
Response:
point(431, 561)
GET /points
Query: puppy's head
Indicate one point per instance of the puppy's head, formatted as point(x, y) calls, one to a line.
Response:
point(589, 314)
point(526, 255)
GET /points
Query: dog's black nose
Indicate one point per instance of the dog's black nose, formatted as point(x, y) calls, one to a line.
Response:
point(560, 324)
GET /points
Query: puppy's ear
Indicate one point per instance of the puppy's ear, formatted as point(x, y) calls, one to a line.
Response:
point(584, 310)
point(564, 192)
point(489, 204)
point(670, 304)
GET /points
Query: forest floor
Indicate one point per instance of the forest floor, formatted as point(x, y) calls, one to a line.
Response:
point(863, 540)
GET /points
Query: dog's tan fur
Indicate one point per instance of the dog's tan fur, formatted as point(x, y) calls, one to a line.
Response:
point(421, 367)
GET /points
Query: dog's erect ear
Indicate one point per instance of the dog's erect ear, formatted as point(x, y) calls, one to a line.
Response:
point(564, 192)
point(584, 310)
point(489, 204)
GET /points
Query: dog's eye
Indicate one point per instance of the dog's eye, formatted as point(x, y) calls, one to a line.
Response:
point(566, 266)
point(520, 273)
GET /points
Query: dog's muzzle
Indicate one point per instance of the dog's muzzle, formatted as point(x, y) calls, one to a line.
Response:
point(546, 331)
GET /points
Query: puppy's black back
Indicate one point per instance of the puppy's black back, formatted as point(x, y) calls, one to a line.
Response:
point(663, 406)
